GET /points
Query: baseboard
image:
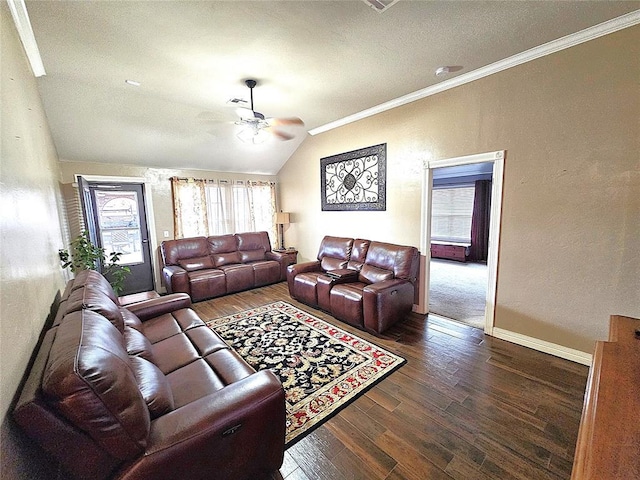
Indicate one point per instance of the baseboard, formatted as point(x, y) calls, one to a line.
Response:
point(543, 346)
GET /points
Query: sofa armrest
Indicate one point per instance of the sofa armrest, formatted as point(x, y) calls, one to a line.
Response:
point(385, 303)
point(175, 279)
point(284, 259)
point(159, 306)
point(239, 427)
point(298, 268)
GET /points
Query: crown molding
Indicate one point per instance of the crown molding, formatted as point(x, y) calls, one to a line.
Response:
point(25, 32)
point(568, 41)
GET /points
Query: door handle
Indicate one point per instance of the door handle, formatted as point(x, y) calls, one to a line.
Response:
point(145, 241)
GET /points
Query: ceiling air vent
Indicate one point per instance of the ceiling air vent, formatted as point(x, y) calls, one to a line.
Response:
point(380, 5)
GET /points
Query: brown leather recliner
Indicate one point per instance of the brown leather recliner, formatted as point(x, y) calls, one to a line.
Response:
point(148, 392)
point(302, 279)
point(370, 285)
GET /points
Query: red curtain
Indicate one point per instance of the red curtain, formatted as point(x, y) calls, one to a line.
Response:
point(479, 249)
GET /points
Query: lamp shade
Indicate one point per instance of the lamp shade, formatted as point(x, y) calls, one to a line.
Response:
point(282, 218)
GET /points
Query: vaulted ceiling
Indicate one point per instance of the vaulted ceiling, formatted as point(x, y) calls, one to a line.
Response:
point(316, 60)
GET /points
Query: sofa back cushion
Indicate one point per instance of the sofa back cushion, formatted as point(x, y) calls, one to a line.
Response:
point(96, 280)
point(358, 254)
point(334, 252)
point(94, 299)
point(253, 241)
point(182, 249)
point(196, 263)
point(222, 244)
point(247, 256)
point(401, 260)
point(89, 379)
point(220, 259)
point(154, 387)
point(371, 274)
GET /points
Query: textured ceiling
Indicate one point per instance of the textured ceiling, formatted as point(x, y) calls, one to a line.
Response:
point(317, 60)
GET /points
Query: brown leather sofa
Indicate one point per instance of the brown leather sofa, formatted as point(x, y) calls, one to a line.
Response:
point(207, 267)
point(367, 284)
point(148, 392)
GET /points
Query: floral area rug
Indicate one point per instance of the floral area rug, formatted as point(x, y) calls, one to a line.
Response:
point(321, 367)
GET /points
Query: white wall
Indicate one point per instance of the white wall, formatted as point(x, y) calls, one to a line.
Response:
point(571, 202)
point(31, 234)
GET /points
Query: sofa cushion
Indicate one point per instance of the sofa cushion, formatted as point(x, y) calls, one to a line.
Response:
point(175, 250)
point(137, 344)
point(131, 319)
point(222, 244)
point(94, 299)
point(95, 280)
point(247, 256)
point(401, 260)
point(89, 379)
point(336, 247)
point(154, 387)
point(228, 258)
point(346, 303)
point(266, 272)
point(371, 274)
point(305, 287)
point(196, 263)
point(239, 277)
point(207, 284)
point(331, 263)
point(358, 254)
point(174, 352)
point(169, 324)
point(253, 241)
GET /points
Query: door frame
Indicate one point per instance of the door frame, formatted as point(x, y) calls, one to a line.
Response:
point(150, 216)
point(497, 158)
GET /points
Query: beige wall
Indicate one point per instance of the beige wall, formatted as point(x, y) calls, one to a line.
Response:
point(30, 273)
point(158, 180)
point(571, 205)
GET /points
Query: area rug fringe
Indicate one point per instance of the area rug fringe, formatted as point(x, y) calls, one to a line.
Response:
point(322, 367)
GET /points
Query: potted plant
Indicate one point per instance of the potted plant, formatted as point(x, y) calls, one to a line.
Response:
point(86, 256)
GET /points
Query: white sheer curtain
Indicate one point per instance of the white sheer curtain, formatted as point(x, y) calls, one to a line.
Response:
point(218, 207)
point(189, 207)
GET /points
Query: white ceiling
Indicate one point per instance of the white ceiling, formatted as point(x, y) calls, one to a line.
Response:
point(317, 60)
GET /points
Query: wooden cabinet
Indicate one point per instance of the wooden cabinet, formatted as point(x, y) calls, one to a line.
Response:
point(450, 251)
point(608, 444)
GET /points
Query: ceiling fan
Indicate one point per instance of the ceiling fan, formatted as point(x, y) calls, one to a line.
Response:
point(257, 127)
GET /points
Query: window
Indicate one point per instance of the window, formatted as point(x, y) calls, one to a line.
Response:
point(218, 207)
point(451, 212)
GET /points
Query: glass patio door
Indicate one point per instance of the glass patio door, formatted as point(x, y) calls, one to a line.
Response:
point(115, 216)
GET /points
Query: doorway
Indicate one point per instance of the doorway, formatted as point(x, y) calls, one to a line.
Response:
point(496, 160)
point(115, 215)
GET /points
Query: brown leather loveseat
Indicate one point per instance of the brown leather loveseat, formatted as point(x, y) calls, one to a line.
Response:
point(367, 284)
point(148, 392)
point(207, 267)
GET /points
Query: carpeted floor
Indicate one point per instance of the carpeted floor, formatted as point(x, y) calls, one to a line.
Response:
point(458, 291)
point(322, 367)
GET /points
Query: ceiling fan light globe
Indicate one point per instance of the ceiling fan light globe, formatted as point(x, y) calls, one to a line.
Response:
point(261, 136)
point(246, 134)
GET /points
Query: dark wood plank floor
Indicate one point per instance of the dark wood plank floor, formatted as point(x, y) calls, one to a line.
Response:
point(465, 406)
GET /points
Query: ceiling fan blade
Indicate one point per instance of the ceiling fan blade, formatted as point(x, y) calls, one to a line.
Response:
point(280, 134)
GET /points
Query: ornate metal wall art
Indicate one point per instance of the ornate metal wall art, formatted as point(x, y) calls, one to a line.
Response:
point(355, 180)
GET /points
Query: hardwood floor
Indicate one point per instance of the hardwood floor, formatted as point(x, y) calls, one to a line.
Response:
point(464, 406)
